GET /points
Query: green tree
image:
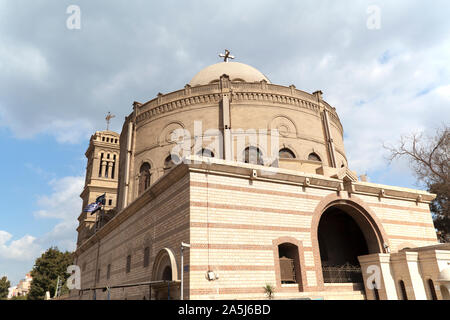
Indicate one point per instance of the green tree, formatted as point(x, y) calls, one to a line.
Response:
point(4, 286)
point(47, 268)
point(429, 158)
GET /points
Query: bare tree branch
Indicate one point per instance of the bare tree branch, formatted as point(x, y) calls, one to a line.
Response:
point(430, 160)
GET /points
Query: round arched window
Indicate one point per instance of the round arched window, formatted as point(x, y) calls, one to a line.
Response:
point(253, 155)
point(206, 153)
point(314, 157)
point(171, 161)
point(286, 153)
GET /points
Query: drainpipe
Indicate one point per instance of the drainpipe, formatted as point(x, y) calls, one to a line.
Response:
point(127, 165)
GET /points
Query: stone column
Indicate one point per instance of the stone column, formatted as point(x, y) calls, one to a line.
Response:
point(110, 167)
point(104, 168)
point(370, 266)
point(412, 261)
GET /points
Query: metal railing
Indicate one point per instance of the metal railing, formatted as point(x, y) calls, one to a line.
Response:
point(342, 274)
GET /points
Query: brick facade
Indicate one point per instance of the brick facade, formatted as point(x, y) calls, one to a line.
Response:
point(234, 224)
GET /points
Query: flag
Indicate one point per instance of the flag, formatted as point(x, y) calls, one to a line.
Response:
point(101, 200)
point(94, 207)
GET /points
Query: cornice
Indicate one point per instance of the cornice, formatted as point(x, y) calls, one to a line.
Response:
point(239, 91)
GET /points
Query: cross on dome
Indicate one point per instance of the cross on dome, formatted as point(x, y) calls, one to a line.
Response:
point(226, 56)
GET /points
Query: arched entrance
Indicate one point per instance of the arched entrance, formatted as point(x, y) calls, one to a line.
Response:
point(165, 273)
point(345, 230)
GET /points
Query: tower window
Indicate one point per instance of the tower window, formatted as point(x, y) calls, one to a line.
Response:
point(113, 167)
point(100, 166)
point(108, 272)
point(107, 169)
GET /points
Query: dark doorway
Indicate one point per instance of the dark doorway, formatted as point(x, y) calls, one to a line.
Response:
point(167, 274)
point(341, 241)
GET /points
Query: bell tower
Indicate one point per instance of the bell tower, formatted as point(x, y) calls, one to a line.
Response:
point(101, 178)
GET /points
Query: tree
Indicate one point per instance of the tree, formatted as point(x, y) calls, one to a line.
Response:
point(4, 286)
point(47, 268)
point(429, 158)
point(269, 291)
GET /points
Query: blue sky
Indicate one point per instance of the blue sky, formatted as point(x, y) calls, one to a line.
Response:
point(56, 85)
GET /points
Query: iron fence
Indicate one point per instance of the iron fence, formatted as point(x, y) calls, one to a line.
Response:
point(342, 274)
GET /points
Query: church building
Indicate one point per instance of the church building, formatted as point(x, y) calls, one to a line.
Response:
point(233, 187)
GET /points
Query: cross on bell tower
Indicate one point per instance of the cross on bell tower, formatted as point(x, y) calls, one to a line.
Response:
point(226, 56)
point(108, 118)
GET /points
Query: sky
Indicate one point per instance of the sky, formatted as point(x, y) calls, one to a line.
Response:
point(384, 65)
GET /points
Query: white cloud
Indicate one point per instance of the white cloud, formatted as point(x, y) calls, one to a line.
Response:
point(22, 249)
point(22, 61)
point(64, 202)
point(64, 205)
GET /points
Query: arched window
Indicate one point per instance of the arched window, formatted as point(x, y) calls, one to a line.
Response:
point(128, 267)
point(253, 155)
point(107, 168)
point(206, 153)
point(113, 167)
point(289, 263)
point(286, 153)
point(445, 293)
point(376, 294)
point(432, 290)
point(403, 296)
point(144, 177)
point(170, 162)
point(100, 167)
point(146, 257)
point(314, 157)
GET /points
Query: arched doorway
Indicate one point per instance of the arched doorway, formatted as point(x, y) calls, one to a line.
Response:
point(165, 274)
point(345, 231)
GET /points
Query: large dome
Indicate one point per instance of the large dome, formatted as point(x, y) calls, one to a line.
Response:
point(235, 70)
